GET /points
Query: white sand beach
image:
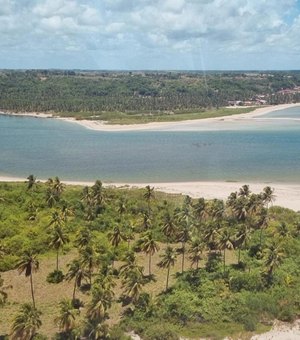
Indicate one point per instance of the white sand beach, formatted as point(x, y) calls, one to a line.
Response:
point(286, 195)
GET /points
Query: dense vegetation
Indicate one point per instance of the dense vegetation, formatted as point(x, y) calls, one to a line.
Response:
point(114, 96)
point(158, 264)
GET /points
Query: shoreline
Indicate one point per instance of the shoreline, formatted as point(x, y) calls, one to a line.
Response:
point(287, 195)
point(183, 125)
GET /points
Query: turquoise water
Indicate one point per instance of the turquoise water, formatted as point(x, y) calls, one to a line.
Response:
point(257, 151)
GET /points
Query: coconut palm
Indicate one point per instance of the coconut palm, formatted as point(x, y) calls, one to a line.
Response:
point(149, 196)
point(199, 209)
point(98, 195)
point(149, 246)
point(101, 301)
point(96, 330)
point(216, 209)
point(78, 273)
point(169, 226)
point(83, 238)
point(273, 255)
point(66, 212)
point(31, 182)
point(88, 260)
point(133, 285)
point(196, 251)
point(26, 323)
point(28, 264)
point(244, 191)
point(268, 195)
point(56, 219)
point(225, 241)
point(168, 260)
point(122, 206)
point(183, 236)
point(51, 198)
point(66, 318)
point(130, 265)
point(58, 239)
point(58, 187)
point(241, 238)
point(116, 236)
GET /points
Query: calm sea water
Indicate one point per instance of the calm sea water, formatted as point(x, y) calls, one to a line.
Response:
point(258, 150)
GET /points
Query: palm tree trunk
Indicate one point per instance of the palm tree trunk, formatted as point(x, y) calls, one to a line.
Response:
point(57, 259)
point(197, 265)
point(168, 273)
point(260, 237)
point(183, 254)
point(239, 256)
point(32, 293)
point(224, 264)
point(150, 264)
point(74, 290)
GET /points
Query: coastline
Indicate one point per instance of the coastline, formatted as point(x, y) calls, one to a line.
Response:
point(183, 125)
point(287, 195)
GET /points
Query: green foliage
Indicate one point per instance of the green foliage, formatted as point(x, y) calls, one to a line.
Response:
point(130, 97)
point(56, 276)
point(106, 227)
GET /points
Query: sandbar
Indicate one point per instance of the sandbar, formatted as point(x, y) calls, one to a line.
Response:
point(184, 125)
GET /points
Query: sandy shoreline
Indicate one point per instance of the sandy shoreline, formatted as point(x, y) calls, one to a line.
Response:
point(286, 194)
point(161, 126)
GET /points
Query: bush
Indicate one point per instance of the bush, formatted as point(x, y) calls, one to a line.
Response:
point(56, 276)
point(160, 332)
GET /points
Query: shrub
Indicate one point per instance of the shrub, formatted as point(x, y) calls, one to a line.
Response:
point(56, 276)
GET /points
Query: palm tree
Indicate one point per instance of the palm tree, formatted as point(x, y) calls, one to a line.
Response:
point(183, 236)
point(66, 318)
point(241, 238)
point(244, 191)
point(66, 211)
point(149, 246)
point(130, 265)
point(133, 285)
point(98, 195)
point(84, 238)
point(101, 301)
point(168, 260)
point(272, 256)
point(58, 239)
point(88, 260)
point(268, 195)
point(195, 251)
point(28, 264)
point(149, 196)
point(122, 208)
point(58, 187)
point(56, 219)
point(116, 237)
point(225, 241)
point(31, 182)
point(26, 323)
point(169, 227)
point(200, 209)
point(78, 273)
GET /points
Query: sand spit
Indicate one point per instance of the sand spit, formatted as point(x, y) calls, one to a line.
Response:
point(186, 125)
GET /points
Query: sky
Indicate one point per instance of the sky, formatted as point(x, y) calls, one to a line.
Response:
point(150, 34)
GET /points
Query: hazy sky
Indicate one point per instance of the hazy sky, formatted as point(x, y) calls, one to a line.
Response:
point(150, 34)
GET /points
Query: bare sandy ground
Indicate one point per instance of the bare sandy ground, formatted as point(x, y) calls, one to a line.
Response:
point(186, 125)
point(286, 195)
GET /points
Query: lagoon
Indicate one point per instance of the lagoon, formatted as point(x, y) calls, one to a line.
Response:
point(263, 149)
